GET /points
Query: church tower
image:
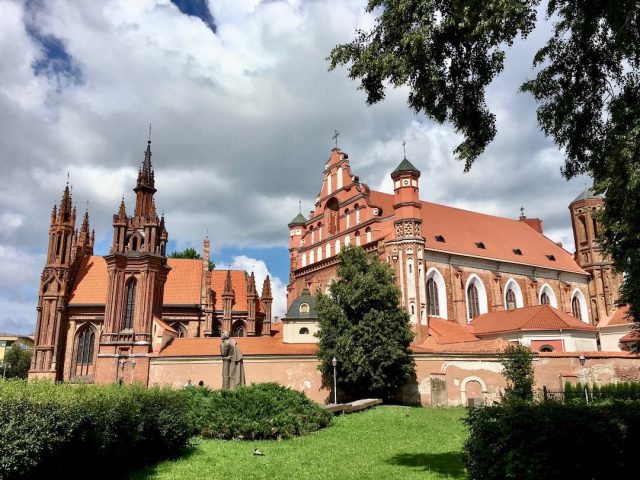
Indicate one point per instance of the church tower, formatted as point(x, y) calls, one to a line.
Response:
point(137, 270)
point(605, 282)
point(407, 248)
point(48, 354)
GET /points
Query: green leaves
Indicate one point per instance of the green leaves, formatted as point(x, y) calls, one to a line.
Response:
point(446, 51)
point(517, 362)
point(364, 327)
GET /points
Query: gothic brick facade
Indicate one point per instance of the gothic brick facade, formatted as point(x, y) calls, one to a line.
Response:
point(102, 318)
point(450, 263)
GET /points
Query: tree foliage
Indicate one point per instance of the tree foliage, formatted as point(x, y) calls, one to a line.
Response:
point(18, 361)
point(517, 362)
point(363, 325)
point(190, 253)
point(587, 87)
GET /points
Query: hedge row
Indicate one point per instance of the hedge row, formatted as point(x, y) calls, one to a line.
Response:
point(74, 430)
point(260, 411)
point(552, 440)
point(612, 391)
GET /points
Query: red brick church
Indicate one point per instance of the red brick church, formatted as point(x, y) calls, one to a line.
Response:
point(100, 318)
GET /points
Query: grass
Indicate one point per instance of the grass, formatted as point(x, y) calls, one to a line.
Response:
point(383, 443)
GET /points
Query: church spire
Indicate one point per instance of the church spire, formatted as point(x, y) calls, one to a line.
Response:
point(66, 205)
point(146, 176)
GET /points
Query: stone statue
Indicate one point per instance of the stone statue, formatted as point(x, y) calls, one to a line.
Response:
point(232, 364)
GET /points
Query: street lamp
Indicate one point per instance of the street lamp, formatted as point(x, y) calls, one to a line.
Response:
point(582, 361)
point(334, 362)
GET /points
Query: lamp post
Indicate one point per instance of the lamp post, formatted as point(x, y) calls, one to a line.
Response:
point(582, 361)
point(334, 362)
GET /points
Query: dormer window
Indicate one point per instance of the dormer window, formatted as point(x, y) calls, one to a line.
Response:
point(440, 238)
point(304, 308)
point(551, 257)
point(517, 251)
point(481, 245)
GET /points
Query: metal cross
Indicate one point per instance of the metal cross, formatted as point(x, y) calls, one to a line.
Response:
point(522, 211)
point(149, 132)
point(300, 207)
point(68, 177)
point(335, 137)
point(404, 149)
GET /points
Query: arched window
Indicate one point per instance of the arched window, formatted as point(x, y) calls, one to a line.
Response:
point(585, 235)
point(546, 348)
point(311, 257)
point(333, 216)
point(579, 306)
point(130, 306)
point(319, 254)
point(547, 296)
point(347, 241)
point(337, 246)
point(357, 238)
point(473, 301)
point(304, 308)
point(575, 308)
point(357, 210)
point(237, 330)
point(368, 232)
point(328, 250)
point(433, 303)
point(181, 329)
point(594, 310)
point(84, 346)
point(304, 259)
point(595, 227)
point(347, 219)
point(304, 331)
point(511, 300)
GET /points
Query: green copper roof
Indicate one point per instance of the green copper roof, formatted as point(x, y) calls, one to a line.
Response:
point(405, 166)
point(587, 193)
point(298, 220)
point(304, 298)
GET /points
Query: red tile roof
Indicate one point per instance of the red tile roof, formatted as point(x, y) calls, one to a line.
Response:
point(446, 332)
point(431, 345)
point(182, 286)
point(461, 230)
point(537, 317)
point(249, 346)
point(620, 317)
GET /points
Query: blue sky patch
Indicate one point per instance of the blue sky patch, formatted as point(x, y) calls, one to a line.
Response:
point(55, 62)
point(197, 8)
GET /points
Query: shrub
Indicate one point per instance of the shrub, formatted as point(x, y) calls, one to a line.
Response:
point(553, 440)
point(517, 362)
point(80, 430)
point(260, 411)
point(604, 393)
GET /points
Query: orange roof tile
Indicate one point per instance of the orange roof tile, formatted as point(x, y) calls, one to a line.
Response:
point(250, 346)
point(92, 280)
point(537, 317)
point(620, 317)
point(447, 332)
point(431, 345)
point(239, 285)
point(461, 230)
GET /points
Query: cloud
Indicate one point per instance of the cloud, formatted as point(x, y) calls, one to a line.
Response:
point(259, 268)
point(242, 117)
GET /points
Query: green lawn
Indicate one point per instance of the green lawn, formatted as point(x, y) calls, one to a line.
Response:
point(383, 443)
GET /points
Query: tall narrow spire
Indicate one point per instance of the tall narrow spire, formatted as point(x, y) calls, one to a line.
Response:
point(228, 289)
point(145, 174)
point(66, 205)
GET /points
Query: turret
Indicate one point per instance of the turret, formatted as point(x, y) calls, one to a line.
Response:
point(252, 300)
point(266, 300)
point(297, 230)
point(407, 205)
point(227, 303)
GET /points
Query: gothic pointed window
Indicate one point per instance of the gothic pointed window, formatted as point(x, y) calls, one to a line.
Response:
point(181, 329)
point(511, 299)
point(237, 330)
point(575, 307)
point(474, 303)
point(130, 306)
point(85, 342)
point(433, 306)
point(544, 299)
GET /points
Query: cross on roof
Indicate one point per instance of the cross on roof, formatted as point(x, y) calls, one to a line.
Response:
point(404, 149)
point(335, 137)
point(149, 131)
point(522, 211)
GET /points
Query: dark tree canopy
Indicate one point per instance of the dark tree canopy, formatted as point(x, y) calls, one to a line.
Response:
point(18, 362)
point(363, 325)
point(192, 254)
point(587, 87)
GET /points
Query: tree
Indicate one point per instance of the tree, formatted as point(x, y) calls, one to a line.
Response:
point(517, 362)
point(17, 360)
point(587, 87)
point(363, 325)
point(192, 254)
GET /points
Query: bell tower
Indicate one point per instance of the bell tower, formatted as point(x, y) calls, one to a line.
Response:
point(137, 270)
point(48, 353)
point(407, 248)
point(605, 282)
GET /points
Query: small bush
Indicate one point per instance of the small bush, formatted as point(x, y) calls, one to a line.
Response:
point(612, 391)
point(528, 441)
point(260, 411)
point(86, 430)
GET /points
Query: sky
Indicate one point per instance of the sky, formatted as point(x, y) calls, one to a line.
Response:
point(242, 108)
